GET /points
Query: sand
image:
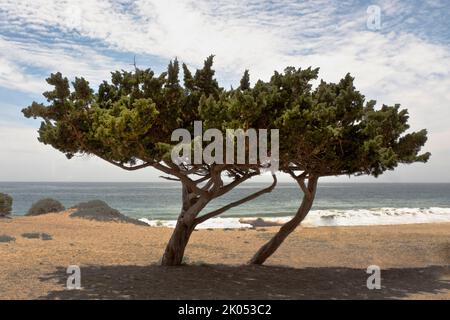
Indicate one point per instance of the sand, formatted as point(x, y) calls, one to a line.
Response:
point(120, 261)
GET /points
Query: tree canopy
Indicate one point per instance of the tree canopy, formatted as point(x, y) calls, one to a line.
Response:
point(330, 130)
point(129, 122)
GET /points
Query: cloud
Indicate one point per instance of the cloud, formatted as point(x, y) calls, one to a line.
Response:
point(262, 36)
point(23, 63)
point(14, 77)
point(406, 62)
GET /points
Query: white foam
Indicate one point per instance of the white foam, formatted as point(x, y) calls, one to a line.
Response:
point(214, 223)
point(335, 217)
point(377, 216)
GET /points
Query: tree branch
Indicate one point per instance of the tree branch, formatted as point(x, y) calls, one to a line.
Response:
point(170, 178)
point(233, 184)
point(122, 166)
point(236, 203)
point(183, 178)
point(301, 182)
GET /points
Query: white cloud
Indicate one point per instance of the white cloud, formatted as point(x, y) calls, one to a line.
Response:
point(243, 34)
point(18, 57)
point(396, 65)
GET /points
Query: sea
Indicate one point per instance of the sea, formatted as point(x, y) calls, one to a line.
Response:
point(336, 204)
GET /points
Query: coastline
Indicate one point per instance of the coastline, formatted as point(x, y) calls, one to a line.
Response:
point(323, 262)
point(326, 218)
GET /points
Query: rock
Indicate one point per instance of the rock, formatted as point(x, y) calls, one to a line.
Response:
point(259, 222)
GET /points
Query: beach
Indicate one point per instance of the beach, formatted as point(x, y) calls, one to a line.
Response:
point(121, 261)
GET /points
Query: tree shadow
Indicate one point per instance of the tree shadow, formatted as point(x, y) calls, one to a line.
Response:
point(245, 282)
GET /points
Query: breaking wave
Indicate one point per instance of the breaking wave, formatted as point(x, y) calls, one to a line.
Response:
point(334, 217)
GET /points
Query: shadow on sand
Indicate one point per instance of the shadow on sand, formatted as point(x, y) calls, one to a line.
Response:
point(245, 282)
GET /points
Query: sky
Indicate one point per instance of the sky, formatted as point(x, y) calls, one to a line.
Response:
point(404, 59)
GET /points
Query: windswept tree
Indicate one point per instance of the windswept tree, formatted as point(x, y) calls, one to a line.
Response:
point(328, 131)
point(129, 122)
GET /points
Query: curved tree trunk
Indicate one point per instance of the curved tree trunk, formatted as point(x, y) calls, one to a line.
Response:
point(173, 255)
point(174, 252)
point(188, 220)
point(273, 244)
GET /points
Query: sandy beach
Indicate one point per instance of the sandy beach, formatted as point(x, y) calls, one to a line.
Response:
point(120, 261)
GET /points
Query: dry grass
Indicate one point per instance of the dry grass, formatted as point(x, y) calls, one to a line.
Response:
point(119, 260)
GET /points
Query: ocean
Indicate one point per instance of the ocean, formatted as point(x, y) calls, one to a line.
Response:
point(336, 204)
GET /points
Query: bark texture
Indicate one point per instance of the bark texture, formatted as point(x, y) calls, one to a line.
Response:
point(174, 252)
point(273, 244)
point(193, 203)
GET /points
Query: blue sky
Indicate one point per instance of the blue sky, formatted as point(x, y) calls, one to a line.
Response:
point(406, 60)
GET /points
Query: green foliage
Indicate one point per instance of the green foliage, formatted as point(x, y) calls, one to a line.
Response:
point(6, 202)
point(327, 130)
point(245, 81)
point(44, 206)
point(129, 119)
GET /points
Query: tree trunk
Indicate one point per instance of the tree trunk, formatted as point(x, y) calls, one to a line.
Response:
point(173, 255)
point(188, 220)
point(174, 252)
point(273, 244)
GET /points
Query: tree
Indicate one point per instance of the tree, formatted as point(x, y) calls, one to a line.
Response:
point(330, 131)
point(5, 204)
point(129, 123)
point(245, 81)
point(327, 131)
